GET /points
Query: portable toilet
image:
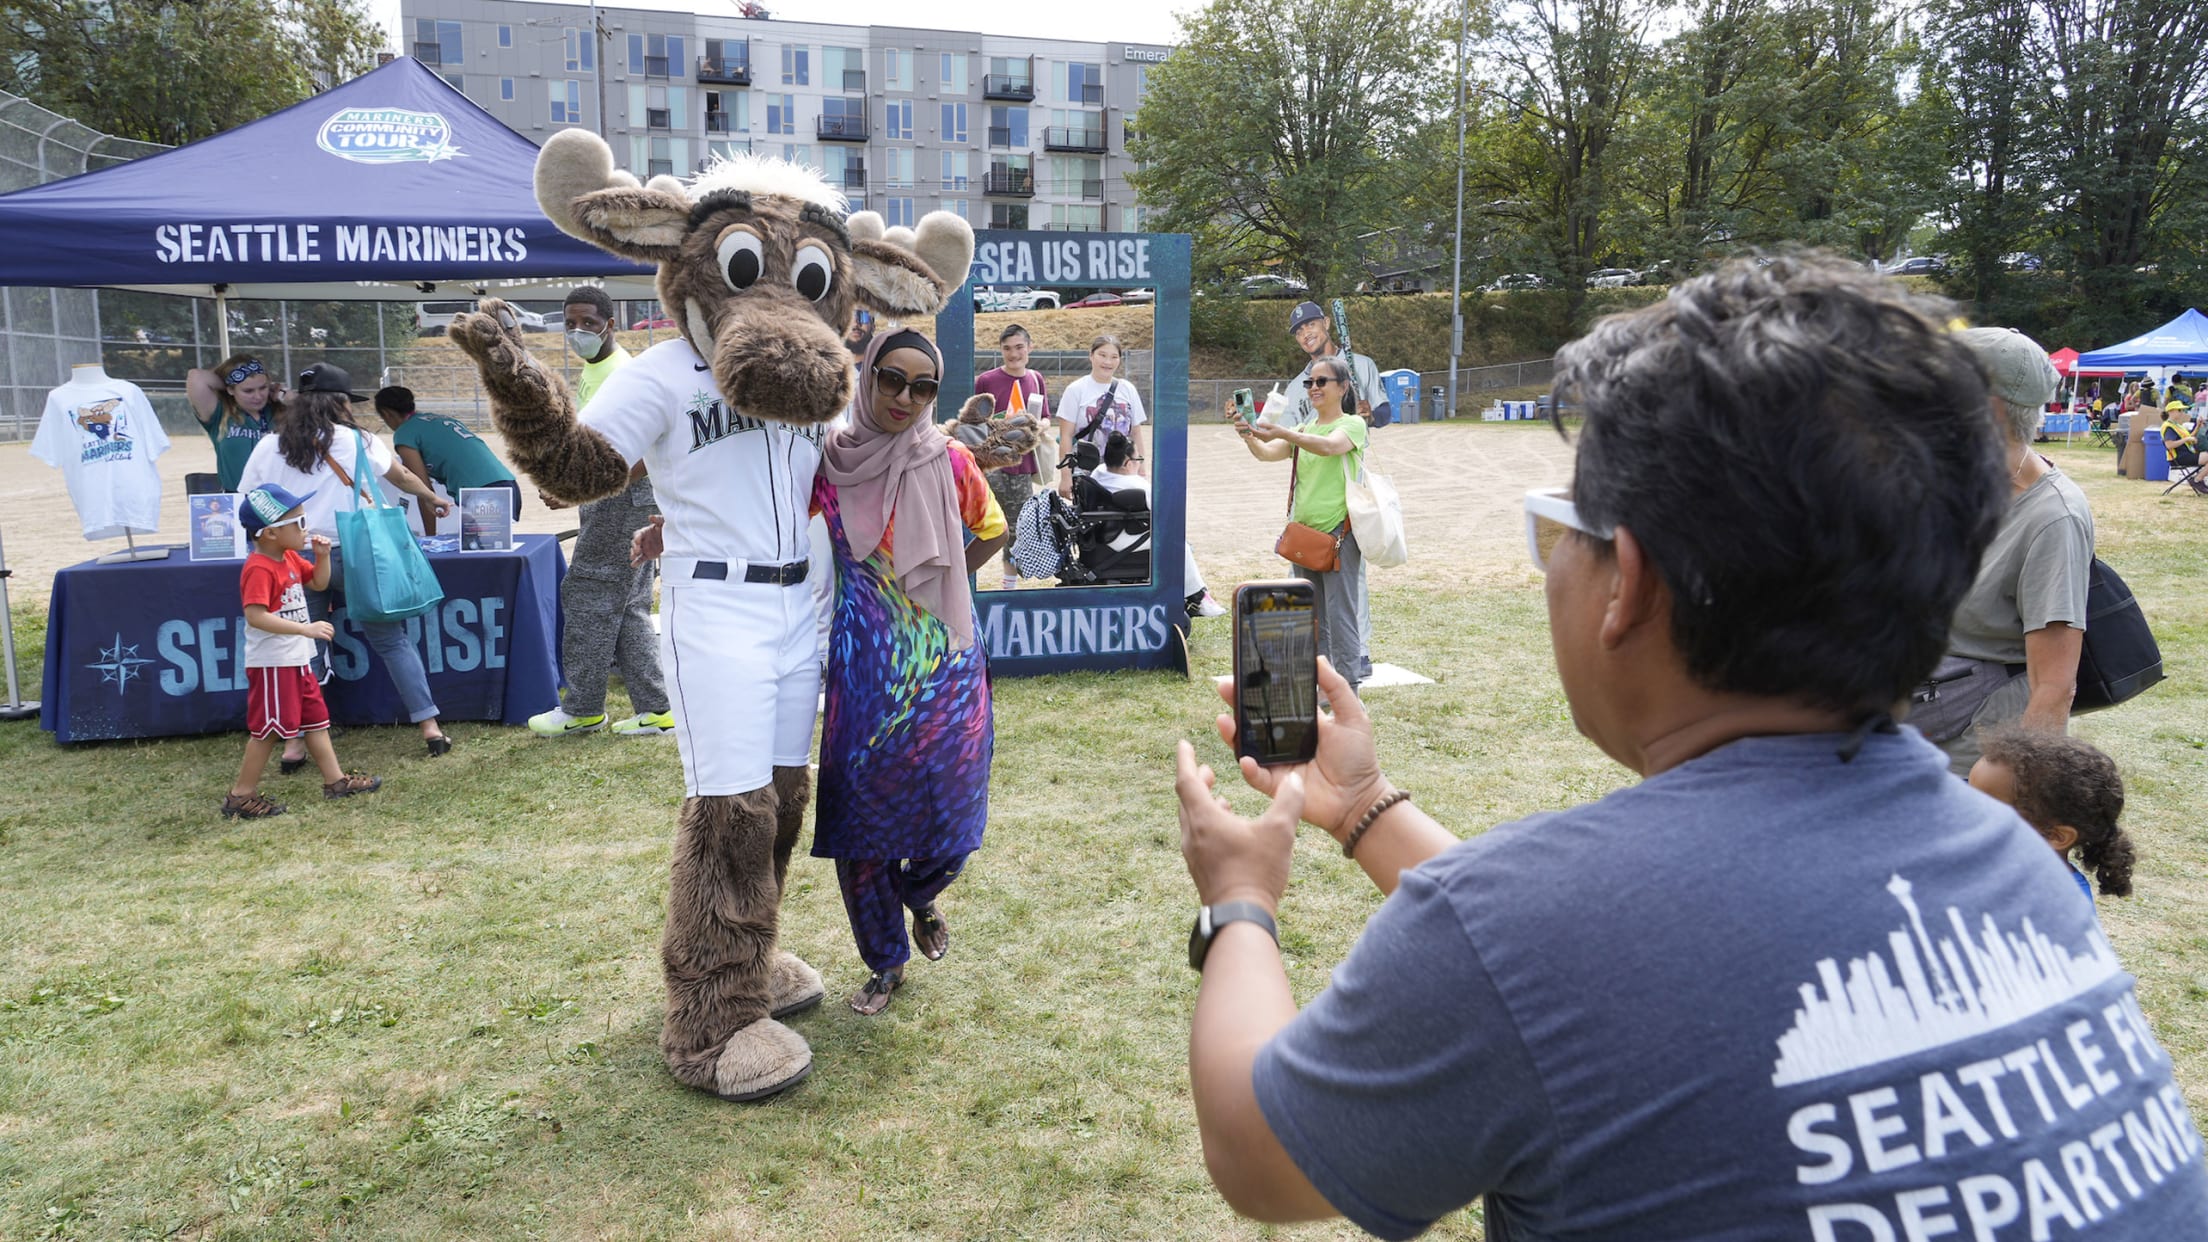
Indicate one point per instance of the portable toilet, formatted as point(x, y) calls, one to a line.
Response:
point(1401, 385)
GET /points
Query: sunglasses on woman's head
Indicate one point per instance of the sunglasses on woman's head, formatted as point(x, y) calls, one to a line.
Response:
point(894, 382)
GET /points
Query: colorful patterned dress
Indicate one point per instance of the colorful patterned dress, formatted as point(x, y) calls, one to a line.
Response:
point(907, 737)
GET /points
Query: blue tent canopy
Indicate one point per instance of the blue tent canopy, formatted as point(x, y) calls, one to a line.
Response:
point(392, 186)
point(2180, 343)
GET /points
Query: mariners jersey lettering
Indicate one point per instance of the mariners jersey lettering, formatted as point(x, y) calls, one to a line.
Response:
point(732, 487)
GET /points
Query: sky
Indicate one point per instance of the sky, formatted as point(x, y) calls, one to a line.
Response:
point(1128, 21)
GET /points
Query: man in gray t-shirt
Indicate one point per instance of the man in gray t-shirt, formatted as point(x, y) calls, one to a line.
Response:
point(1315, 337)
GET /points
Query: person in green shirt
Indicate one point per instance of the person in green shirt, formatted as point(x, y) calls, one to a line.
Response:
point(1325, 450)
point(588, 319)
point(237, 405)
point(442, 450)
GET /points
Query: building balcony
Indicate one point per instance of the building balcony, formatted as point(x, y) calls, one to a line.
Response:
point(841, 129)
point(1010, 182)
point(854, 178)
point(1067, 138)
point(725, 70)
point(1005, 86)
point(1093, 191)
point(658, 118)
point(1008, 220)
point(720, 123)
point(1000, 135)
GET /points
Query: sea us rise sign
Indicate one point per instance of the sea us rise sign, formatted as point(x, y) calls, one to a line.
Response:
point(387, 136)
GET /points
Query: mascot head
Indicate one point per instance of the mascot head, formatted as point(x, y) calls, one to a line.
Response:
point(758, 265)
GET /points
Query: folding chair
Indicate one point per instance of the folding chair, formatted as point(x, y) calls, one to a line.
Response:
point(2188, 462)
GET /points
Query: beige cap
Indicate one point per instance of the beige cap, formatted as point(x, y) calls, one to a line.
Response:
point(2017, 370)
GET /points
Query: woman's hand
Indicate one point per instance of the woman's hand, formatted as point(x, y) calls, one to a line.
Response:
point(1343, 779)
point(1229, 857)
point(1271, 431)
point(439, 505)
point(649, 542)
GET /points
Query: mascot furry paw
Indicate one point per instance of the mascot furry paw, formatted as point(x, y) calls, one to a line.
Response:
point(761, 268)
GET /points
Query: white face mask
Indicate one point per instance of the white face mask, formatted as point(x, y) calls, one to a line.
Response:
point(585, 344)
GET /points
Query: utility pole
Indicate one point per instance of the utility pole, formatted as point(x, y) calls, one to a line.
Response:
point(1456, 283)
point(599, 37)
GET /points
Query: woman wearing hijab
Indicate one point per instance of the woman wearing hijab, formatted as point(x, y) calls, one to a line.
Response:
point(907, 736)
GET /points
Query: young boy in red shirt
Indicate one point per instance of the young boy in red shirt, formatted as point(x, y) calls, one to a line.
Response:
point(281, 697)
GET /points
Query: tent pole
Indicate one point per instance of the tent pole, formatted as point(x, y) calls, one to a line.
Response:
point(222, 324)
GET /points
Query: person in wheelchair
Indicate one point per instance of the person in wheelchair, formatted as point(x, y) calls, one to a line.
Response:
point(1119, 479)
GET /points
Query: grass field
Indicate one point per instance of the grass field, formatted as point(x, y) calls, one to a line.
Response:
point(433, 1013)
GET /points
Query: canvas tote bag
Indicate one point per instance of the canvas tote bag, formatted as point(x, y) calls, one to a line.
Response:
point(386, 576)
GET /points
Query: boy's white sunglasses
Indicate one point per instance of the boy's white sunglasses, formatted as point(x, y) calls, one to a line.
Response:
point(1550, 515)
point(300, 520)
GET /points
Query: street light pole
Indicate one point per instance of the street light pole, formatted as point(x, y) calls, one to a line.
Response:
point(1456, 283)
point(598, 66)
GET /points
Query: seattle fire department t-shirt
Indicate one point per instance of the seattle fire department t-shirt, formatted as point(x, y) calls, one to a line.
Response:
point(731, 487)
point(280, 587)
point(104, 436)
point(1763, 995)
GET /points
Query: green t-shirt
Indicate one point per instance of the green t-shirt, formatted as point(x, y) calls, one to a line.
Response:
point(234, 444)
point(595, 373)
point(456, 456)
point(1322, 499)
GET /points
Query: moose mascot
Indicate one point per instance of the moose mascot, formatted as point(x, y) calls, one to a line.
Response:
point(761, 269)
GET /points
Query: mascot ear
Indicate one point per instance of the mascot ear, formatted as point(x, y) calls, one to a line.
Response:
point(903, 274)
point(581, 192)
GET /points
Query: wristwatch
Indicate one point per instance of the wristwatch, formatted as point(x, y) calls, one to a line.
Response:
point(1211, 918)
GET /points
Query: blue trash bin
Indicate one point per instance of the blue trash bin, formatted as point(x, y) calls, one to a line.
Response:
point(1401, 385)
point(2158, 458)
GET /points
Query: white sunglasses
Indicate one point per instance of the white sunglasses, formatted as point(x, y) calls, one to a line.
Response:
point(1550, 514)
point(300, 520)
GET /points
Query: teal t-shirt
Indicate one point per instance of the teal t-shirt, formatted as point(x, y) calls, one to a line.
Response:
point(456, 456)
point(234, 443)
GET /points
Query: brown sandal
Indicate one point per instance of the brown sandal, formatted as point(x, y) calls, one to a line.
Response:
point(874, 997)
point(249, 806)
point(352, 783)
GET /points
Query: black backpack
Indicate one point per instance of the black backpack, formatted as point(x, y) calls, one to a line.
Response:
point(2120, 659)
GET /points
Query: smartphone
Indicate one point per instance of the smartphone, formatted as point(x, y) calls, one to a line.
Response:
point(1245, 405)
point(1276, 671)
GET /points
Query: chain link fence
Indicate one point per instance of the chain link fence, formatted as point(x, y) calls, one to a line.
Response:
point(1206, 397)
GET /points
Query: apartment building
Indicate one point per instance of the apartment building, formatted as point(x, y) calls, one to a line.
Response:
point(1008, 132)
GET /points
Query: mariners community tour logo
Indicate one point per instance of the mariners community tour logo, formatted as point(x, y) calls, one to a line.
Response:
point(387, 136)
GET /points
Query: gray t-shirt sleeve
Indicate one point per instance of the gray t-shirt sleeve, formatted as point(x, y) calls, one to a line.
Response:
point(2051, 585)
point(1404, 1092)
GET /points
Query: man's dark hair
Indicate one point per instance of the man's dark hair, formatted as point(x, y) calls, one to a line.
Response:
point(1011, 330)
point(2066, 782)
point(395, 399)
point(1117, 449)
point(1807, 455)
point(594, 297)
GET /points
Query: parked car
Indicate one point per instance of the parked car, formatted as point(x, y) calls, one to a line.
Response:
point(1516, 280)
point(1138, 296)
point(2021, 261)
point(643, 325)
point(1267, 285)
point(1921, 265)
point(1612, 278)
point(1015, 298)
point(1098, 299)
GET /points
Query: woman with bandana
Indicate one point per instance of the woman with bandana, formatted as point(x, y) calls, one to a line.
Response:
point(907, 736)
point(237, 405)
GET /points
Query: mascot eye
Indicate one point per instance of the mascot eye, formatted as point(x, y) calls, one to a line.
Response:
point(814, 273)
point(742, 259)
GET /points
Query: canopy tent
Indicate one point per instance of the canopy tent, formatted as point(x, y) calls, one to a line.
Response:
point(2180, 344)
point(392, 187)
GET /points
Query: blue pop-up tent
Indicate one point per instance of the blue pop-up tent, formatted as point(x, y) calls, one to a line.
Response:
point(2180, 344)
point(391, 187)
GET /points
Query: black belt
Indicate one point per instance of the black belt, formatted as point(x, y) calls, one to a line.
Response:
point(780, 575)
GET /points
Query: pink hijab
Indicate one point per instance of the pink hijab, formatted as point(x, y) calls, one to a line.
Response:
point(905, 475)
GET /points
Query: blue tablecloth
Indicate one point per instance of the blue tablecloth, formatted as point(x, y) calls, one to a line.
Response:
point(156, 648)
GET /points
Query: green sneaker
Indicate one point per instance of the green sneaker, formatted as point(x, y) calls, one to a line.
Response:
point(645, 722)
point(557, 723)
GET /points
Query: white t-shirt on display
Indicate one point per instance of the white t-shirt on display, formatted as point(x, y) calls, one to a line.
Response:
point(331, 496)
point(1077, 405)
point(104, 436)
point(732, 488)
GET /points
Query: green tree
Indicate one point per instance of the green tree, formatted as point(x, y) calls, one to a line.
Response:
point(175, 72)
point(1277, 133)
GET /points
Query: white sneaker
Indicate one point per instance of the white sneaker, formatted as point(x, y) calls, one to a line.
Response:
point(1210, 606)
point(645, 722)
point(557, 723)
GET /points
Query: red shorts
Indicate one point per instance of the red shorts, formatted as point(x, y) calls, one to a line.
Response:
point(283, 702)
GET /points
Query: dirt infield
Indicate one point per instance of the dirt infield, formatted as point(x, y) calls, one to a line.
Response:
point(1460, 485)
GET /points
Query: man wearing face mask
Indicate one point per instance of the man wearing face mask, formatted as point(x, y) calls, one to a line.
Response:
point(607, 602)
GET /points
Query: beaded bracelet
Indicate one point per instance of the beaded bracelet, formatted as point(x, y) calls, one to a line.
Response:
point(1371, 816)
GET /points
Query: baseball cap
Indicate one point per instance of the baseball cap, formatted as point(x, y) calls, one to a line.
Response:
point(1304, 313)
point(327, 377)
point(265, 504)
point(2174, 407)
point(2017, 369)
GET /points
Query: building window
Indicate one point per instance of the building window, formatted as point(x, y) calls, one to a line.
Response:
point(799, 153)
point(582, 51)
point(958, 207)
point(896, 69)
point(438, 43)
point(955, 166)
point(897, 168)
point(567, 102)
point(954, 73)
point(728, 112)
point(1078, 83)
point(505, 36)
point(1089, 219)
point(781, 114)
point(954, 122)
point(657, 56)
point(1008, 215)
point(896, 211)
point(506, 90)
point(900, 119)
point(797, 66)
point(455, 81)
point(1008, 128)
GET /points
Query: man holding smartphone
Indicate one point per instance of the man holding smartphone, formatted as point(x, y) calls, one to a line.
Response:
point(1796, 982)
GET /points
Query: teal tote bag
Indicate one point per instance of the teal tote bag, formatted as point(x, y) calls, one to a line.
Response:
point(386, 576)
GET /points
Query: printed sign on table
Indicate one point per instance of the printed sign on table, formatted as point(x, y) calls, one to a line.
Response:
point(486, 519)
point(216, 535)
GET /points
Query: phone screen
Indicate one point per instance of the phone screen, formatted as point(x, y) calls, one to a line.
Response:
point(1276, 672)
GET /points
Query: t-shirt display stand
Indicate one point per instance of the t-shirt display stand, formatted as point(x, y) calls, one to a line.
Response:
point(134, 553)
point(15, 708)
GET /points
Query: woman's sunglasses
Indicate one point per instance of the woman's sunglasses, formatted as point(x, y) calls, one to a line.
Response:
point(1320, 381)
point(894, 382)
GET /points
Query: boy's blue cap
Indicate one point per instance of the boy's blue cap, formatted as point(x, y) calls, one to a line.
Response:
point(265, 504)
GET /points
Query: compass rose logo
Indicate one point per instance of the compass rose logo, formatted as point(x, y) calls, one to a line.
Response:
point(119, 663)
